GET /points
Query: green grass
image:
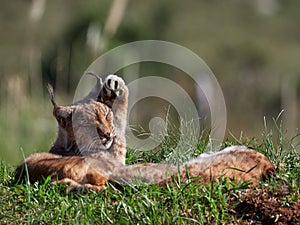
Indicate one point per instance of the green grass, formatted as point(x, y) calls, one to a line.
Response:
point(145, 204)
point(179, 203)
point(30, 128)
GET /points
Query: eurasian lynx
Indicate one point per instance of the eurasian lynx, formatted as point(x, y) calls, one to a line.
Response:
point(108, 164)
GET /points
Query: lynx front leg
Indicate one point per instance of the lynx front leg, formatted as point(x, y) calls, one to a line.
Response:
point(114, 93)
point(73, 185)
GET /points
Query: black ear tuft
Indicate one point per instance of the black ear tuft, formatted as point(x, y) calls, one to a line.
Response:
point(51, 93)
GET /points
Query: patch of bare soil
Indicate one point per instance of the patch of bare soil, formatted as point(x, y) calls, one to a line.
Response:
point(265, 206)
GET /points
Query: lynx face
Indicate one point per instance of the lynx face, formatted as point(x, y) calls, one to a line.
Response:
point(84, 128)
point(95, 124)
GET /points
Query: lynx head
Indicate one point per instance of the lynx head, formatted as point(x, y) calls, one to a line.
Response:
point(84, 128)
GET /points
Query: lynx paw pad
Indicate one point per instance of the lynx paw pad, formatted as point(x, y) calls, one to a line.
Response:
point(113, 85)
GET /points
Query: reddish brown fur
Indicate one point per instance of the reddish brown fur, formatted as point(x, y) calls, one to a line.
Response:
point(71, 170)
point(75, 171)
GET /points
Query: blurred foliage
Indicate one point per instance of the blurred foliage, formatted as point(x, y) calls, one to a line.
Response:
point(253, 47)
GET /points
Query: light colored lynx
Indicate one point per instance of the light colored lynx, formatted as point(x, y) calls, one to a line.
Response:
point(95, 169)
point(236, 162)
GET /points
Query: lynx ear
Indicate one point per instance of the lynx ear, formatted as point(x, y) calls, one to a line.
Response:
point(63, 115)
point(51, 93)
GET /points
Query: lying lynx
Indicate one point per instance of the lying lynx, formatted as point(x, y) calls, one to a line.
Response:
point(238, 163)
point(94, 169)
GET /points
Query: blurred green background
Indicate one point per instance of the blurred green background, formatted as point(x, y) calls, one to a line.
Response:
point(253, 48)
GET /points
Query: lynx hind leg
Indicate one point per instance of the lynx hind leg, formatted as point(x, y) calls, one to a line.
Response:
point(246, 164)
point(114, 93)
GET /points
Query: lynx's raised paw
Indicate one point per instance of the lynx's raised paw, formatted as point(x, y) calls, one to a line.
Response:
point(114, 94)
point(113, 86)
